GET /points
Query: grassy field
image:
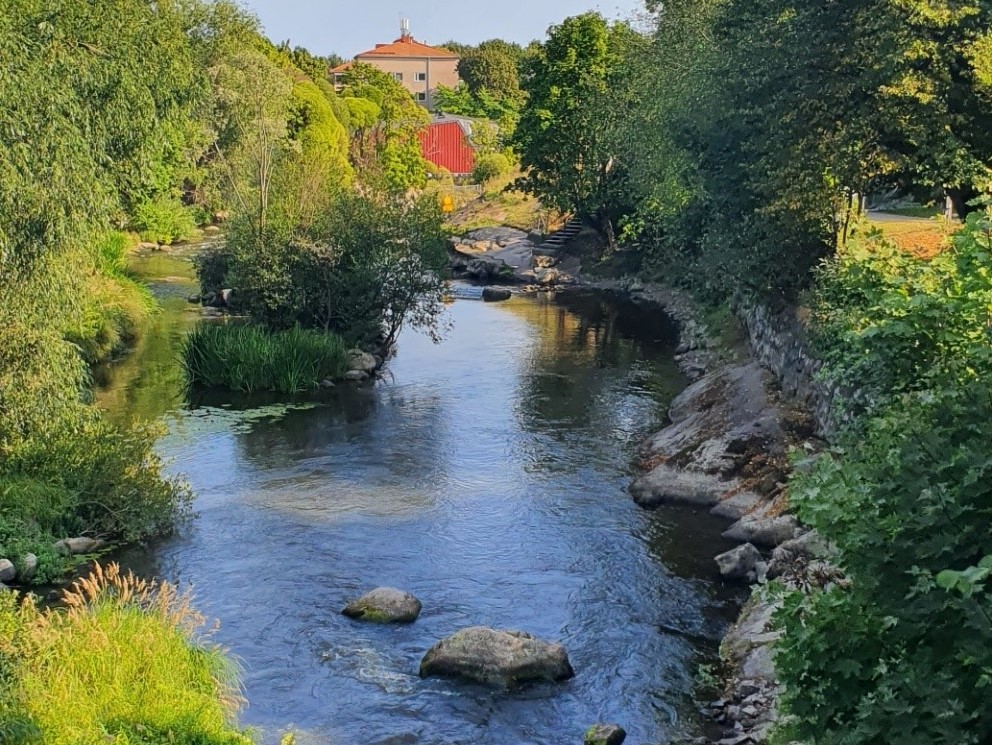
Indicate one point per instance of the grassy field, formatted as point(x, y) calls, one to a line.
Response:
point(916, 235)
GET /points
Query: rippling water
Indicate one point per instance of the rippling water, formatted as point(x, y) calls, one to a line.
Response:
point(488, 476)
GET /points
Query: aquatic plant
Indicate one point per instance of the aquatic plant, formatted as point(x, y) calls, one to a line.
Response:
point(243, 357)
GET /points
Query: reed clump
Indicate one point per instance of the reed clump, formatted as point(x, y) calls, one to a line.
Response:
point(248, 358)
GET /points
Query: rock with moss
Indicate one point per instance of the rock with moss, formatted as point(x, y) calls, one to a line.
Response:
point(605, 734)
point(384, 605)
point(504, 659)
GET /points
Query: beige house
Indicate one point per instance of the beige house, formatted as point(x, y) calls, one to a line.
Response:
point(418, 67)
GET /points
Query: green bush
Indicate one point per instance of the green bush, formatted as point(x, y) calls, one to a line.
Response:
point(113, 308)
point(886, 322)
point(897, 657)
point(164, 220)
point(120, 664)
point(368, 266)
point(248, 358)
point(489, 167)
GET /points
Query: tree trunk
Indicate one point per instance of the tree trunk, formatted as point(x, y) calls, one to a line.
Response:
point(960, 196)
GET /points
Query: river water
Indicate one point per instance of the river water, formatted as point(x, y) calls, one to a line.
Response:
point(488, 476)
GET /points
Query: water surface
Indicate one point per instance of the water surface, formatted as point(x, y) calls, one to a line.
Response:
point(488, 476)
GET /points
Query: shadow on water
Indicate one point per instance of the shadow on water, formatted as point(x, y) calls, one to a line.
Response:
point(487, 475)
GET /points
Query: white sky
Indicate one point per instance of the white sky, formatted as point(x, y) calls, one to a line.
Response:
point(348, 27)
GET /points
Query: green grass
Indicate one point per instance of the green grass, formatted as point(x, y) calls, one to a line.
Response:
point(115, 307)
point(917, 210)
point(119, 665)
point(249, 358)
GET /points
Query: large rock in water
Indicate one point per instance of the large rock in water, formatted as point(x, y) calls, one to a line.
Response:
point(494, 657)
point(384, 605)
point(77, 546)
point(666, 485)
point(495, 294)
point(359, 360)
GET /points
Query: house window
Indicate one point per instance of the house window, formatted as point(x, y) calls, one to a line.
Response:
point(421, 77)
point(398, 77)
point(421, 96)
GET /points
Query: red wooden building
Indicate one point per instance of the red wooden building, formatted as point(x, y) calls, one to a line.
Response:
point(447, 143)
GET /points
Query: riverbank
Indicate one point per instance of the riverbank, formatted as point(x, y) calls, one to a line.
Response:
point(726, 450)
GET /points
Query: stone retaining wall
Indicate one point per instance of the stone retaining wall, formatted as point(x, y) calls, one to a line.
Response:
point(779, 342)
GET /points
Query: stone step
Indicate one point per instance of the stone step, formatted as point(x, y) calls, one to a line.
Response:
point(546, 251)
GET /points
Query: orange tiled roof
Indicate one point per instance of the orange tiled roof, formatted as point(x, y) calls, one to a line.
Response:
point(341, 68)
point(407, 46)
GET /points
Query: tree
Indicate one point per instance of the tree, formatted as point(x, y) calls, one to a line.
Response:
point(252, 112)
point(567, 132)
point(386, 147)
point(493, 68)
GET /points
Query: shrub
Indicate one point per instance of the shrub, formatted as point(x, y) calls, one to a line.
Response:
point(113, 307)
point(248, 358)
point(887, 322)
point(369, 265)
point(120, 664)
point(164, 220)
point(905, 653)
point(489, 167)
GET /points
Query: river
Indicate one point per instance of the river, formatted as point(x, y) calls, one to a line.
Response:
point(488, 476)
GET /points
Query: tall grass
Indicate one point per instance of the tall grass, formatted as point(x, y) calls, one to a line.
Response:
point(114, 307)
point(121, 664)
point(248, 358)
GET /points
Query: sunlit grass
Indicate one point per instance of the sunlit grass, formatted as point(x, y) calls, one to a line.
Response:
point(119, 665)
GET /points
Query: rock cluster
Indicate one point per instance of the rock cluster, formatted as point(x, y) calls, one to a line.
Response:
point(510, 256)
point(723, 450)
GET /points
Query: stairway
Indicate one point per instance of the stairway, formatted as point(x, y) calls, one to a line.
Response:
point(557, 240)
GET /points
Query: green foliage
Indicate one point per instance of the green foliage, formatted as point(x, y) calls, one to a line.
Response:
point(887, 322)
point(385, 122)
point(490, 167)
point(248, 358)
point(369, 265)
point(567, 136)
point(905, 653)
point(121, 664)
point(164, 220)
point(901, 653)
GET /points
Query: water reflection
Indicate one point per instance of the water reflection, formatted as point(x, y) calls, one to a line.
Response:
point(488, 476)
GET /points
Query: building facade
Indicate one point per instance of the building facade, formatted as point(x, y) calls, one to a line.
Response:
point(416, 66)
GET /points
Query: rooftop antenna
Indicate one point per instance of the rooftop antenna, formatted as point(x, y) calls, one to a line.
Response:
point(404, 28)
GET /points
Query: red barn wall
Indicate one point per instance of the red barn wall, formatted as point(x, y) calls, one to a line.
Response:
point(445, 144)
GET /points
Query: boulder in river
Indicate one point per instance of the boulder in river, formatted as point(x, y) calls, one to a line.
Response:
point(356, 376)
point(359, 360)
point(384, 605)
point(605, 734)
point(29, 567)
point(495, 294)
point(499, 658)
point(764, 531)
point(667, 485)
point(740, 563)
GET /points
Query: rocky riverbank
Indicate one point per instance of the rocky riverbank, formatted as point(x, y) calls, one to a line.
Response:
point(725, 449)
